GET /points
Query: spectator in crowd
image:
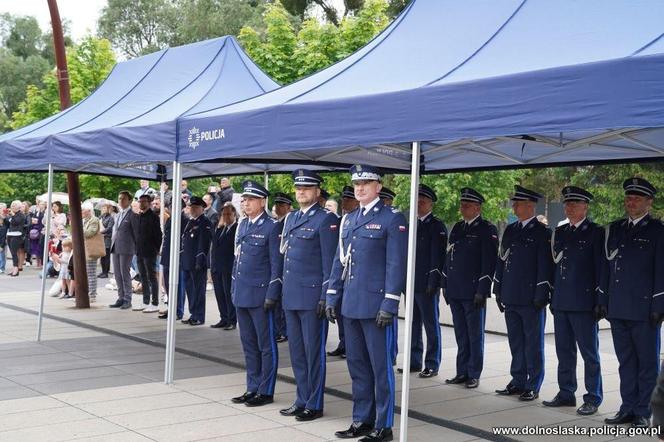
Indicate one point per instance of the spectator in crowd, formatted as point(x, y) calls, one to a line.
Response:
point(15, 223)
point(61, 262)
point(58, 218)
point(123, 248)
point(224, 195)
point(25, 257)
point(135, 207)
point(209, 211)
point(54, 245)
point(107, 220)
point(35, 233)
point(147, 249)
point(94, 248)
point(145, 189)
point(221, 265)
point(165, 263)
point(323, 197)
point(156, 205)
point(332, 206)
point(4, 212)
point(184, 189)
point(168, 195)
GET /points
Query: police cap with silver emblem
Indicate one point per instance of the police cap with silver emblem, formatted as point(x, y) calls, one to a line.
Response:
point(639, 186)
point(280, 197)
point(427, 192)
point(573, 193)
point(348, 192)
point(252, 188)
point(523, 194)
point(386, 193)
point(304, 177)
point(197, 201)
point(471, 195)
point(361, 172)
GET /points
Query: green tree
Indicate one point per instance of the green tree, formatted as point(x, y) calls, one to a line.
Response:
point(17, 74)
point(25, 37)
point(138, 27)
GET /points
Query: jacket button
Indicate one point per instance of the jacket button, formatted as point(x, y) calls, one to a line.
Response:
point(353, 251)
point(617, 280)
point(354, 237)
point(287, 271)
point(351, 276)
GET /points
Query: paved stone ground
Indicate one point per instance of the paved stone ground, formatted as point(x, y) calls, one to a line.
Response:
point(82, 383)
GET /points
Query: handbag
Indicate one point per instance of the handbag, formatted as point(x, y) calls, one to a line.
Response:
point(34, 234)
point(94, 247)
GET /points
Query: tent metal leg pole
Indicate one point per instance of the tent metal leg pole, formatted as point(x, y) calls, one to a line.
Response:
point(174, 273)
point(47, 235)
point(266, 179)
point(410, 288)
point(162, 220)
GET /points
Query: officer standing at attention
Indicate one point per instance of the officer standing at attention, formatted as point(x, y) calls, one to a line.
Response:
point(370, 267)
point(522, 283)
point(348, 204)
point(196, 238)
point(256, 288)
point(469, 267)
point(633, 292)
point(283, 204)
point(387, 196)
point(431, 244)
point(578, 255)
point(308, 243)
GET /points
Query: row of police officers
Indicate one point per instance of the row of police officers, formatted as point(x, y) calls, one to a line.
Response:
point(352, 270)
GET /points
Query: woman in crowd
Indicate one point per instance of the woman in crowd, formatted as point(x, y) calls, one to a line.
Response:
point(107, 221)
point(91, 228)
point(15, 223)
point(58, 216)
point(25, 256)
point(36, 234)
point(221, 265)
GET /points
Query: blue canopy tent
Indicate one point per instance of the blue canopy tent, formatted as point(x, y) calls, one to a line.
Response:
point(466, 85)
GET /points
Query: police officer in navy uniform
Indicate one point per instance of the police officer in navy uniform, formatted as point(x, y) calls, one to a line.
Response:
point(256, 289)
point(283, 204)
point(469, 267)
point(348, 204)
point(387, 196)
point(370, 267)
point(632, 291)
point(309, 241)
point(578, 255)
point(431, 244)
point(194, 259)
point(522, 286)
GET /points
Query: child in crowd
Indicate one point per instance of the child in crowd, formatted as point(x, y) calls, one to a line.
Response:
point(64, 261)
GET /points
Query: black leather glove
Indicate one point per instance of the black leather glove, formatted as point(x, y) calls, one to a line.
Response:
point(656, 319)
point(430, 291)
point(499, 303)
point(269, 304)
point(600, 312)
point(479, 301)
point(445, 296)
point(383, 319)
point(320, 309)
point(331, 314)
point(539, 303)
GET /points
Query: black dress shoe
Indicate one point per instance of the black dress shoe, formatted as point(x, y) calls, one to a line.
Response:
point(125, 306)
point(163, 316)
point(529, 395)
point(186, 321)
point(410, 370)
point(293, 410)
point(116, 304)
point(472, 383)
point(620, 418)
point(510, 390)
point(428, 373)
point(258, 400)
point(338, 352)
point(458, 379)
point(309, 415)
point(640, 422)
point(102, 276)
point(378, 435)
point(558, 401)
point(230, 327)
point(356, 429)
point(587, 409)
point(220, 324)
point(195, 322)
point(244, 398)
point(281, 338)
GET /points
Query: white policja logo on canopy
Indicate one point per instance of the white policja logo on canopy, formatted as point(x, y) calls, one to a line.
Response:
point(194, 138)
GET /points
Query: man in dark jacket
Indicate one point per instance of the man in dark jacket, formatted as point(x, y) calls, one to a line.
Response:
point(147, 249)
point(224, 195)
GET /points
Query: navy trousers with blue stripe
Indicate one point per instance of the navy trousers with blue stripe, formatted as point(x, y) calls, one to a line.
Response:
point(280, 320)
point(426, 312)
point(469, 333)
point(368, 346)
point(307, 335)
point(195, 282)
point(637, 346)
point(260, 349)
point(525, 333)
point(572, 329)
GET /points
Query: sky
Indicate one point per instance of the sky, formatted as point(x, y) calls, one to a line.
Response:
point(82, 14)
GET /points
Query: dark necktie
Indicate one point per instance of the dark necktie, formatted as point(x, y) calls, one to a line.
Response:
point(572, 228)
